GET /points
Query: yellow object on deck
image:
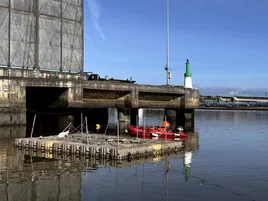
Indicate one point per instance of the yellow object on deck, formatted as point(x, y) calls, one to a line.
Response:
point(98, 126)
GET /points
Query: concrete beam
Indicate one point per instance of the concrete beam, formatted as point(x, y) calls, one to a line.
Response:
point(96, 94)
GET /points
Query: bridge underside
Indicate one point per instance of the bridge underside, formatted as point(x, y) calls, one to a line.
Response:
point(57, 102)
point(124, 99)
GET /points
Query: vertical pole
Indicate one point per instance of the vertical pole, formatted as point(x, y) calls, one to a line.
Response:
point(86, 124)
point(106, 128)
point(9, 35)
point(33, 126)
point(117, 133)
point(137, 124)
point(143, 127)
point(37, 35)
point(167, 41)
point(82, 123)
point(165, 129)
point(87, 131)
point(61, 35)
point(82, 66)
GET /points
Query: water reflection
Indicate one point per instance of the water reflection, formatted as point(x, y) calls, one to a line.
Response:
point(40, 179)
point(12, 131)
point(226, 166)
point(231, 116)
point(187, 164)
point(187, 160)
point(37, 176)
point(27, 175)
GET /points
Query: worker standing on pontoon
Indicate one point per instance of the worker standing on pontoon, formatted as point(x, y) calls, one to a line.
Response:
point(166, 125)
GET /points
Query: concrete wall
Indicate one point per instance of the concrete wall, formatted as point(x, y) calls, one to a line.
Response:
point(138, 96)
point(191, 98)
point(87, 94)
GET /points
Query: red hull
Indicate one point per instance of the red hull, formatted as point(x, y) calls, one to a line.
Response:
point(150, 132)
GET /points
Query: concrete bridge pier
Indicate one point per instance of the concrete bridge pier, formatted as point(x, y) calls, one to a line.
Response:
point(127, 117)
point(189, 119)
point(171, 116)
point(180, 117)
point(123, 115)
point(124, 119)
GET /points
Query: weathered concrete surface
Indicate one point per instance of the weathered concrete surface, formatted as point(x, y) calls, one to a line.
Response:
point(100, 94)
point(191, 98)
point(81, 93)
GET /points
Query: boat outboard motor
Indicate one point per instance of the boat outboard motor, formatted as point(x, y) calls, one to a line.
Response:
point(178, 129)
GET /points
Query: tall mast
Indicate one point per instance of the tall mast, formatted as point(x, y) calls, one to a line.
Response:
point(167, 41)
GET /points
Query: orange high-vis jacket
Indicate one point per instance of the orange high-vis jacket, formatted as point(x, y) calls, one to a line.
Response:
point(165, 123)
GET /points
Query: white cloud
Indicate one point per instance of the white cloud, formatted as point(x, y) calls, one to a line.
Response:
point(95, 12)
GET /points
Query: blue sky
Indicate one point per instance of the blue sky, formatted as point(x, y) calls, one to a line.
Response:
point(225, 40)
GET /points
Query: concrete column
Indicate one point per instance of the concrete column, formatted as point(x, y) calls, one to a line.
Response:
point(75, 95)
point(180, 117)
point(123, 115)
point(171, 117)
point(134, 98)
point(189, 120)
point(124, 120)
point(185, 118)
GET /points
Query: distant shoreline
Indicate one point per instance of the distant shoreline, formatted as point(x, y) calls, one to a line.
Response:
point(234, 108)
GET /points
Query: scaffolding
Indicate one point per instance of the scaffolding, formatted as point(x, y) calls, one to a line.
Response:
point(42, 34)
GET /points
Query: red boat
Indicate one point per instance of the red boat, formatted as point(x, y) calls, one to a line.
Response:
point(154, 132)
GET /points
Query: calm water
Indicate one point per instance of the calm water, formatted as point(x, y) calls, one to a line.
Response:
point(230, 164)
